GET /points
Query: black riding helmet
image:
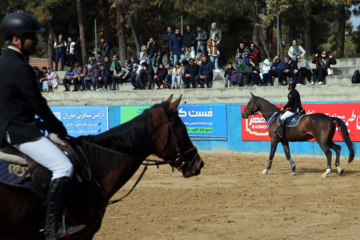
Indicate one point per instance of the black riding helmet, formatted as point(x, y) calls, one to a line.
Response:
point(292, 83)
point(19, 23)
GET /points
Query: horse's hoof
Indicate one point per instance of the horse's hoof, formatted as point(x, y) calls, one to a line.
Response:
point(323, 176)
point(325, 173)
point(292, 173)
point(340, 170)
point(264, 171)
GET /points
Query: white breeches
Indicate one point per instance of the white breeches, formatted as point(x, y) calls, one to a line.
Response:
point(46, 153)
point(287, 114)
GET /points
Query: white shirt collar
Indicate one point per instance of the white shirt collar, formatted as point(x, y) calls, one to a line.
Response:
point(12, 48)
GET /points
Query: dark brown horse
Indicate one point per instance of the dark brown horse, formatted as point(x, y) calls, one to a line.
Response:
point(318, 126)
point(158, 131)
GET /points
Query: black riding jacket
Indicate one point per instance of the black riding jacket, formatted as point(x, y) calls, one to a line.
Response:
point(294, 102)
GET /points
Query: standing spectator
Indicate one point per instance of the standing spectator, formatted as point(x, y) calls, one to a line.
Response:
point(103, 78)
point(160, 75)
point(276, 69)
point(191, 71)
point(38, 76)
point(189, 38)
point(143, 54)
point(91, 78)
point(323, 62)
point(228, 72)
point(104, 47)
point(289, 68)
point(177, 73)
point(60, 46)
point(114, 62)
point(201, 39)
point(213, 51)
point(296, 50)
point(166, 48)
point(70, 52)
point(264, 70)
point(253, 72)
point(79, 78)
point(152, 51)
point(303, 70)
point(242, 53)
point(254, 53)
point(205, 73)
point(214, 30)
point(177, 46)
point(134, 76)
point(52, 78)
point(68, 78)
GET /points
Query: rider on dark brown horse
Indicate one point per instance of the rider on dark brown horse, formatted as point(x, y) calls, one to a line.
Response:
point(20, 101)
point(292, 107)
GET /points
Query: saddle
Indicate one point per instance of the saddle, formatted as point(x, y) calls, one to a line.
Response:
point(38, 174)
point(292, 121)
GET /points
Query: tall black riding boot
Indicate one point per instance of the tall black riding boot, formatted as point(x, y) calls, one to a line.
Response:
point(280, 131)
point(54, 228)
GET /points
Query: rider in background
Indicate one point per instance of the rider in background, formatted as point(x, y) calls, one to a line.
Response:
point(20, 101)
point(292, 107)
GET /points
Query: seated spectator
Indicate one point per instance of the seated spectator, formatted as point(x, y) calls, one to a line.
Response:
point(52, 78)
point(198, 57)
point(68, 77)
point(160, 75)
point(120, 75)
point(38, 75)
point(213, 51)
point(253, 72)
point(44, 80)
point(99, 58)
point(264, 71)
point(189, 53)
point(146, 75)
point(168, 77)
point(91, 61)
point(107, 62)
point(134, 76)
point(254, 53)
point(128, 65)
point(276, 69)
point(303, 70)
point(91, 78)
point(191, 71)
point(296, 50)
point(177, 46)
point(177, 73)
point(205, 73)
point(228, 72)
point(143, 54)
point(79, 78)
point(242, 53)
point(289, 68)
point(152, 51)
point(133, 61)
point(242, 71)
point(356, 76)
point(323, 62)
point(114, 62)
point(103, 78)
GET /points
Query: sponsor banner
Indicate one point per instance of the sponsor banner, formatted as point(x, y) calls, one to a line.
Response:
point(83, 120)
point(208, 121)
point(255, 127)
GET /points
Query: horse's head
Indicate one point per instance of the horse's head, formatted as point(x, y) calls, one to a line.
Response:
point(251, 108)
point(172, 142)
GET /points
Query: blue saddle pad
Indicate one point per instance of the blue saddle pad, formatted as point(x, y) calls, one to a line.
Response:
point(292, 121)
point(10, 173)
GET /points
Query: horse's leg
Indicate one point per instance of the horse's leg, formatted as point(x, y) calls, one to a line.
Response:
point(288, 157)
point(337, 150)
point(328, 154)
point(272, 153)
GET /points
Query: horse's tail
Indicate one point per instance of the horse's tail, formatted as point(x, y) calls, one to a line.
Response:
point(345, 135)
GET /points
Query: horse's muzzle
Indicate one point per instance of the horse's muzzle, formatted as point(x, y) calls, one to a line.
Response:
point(195, 169)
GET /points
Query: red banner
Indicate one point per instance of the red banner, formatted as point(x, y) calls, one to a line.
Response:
point(255, 127)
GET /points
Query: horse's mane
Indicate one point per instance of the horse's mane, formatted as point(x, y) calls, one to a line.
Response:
point(273, 107)
point(131, 138)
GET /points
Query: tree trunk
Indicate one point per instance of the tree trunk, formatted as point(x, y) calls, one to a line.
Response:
point(308, 21)
point(133, 29)
point(256, 19)
point(341, 32)
point(269, 38)
point(281, 53)
point(82, 32)
point(120, 29)
point(50, 44)
point(106, 20)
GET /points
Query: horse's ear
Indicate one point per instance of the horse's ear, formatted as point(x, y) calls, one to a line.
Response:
point(252, 95)
point(174, 105)
point(169, 100)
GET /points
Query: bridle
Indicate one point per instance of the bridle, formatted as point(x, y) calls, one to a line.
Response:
point(252, 108)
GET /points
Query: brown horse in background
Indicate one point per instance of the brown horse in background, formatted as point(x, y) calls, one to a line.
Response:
point(158, 130)
point(318, 126)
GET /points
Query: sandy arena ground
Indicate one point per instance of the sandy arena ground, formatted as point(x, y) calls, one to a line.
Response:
point(230, 199)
